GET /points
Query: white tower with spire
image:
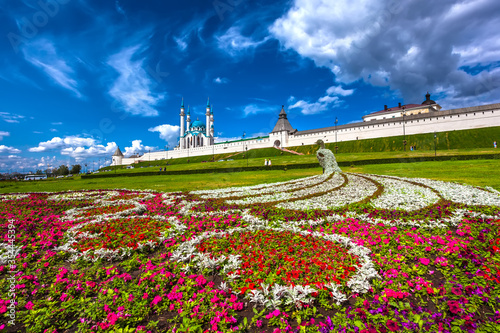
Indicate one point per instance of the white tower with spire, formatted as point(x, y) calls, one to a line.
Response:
point(212, 137)
point(207, 117)
point(181, 143)
point(188, 119)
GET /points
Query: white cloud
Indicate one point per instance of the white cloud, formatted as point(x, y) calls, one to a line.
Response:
point(410, 46)
point(81, 153)
point(168, 133)
point(2, 134)
point(62, 143)
point(8, 150)
point(10, 117)
point(252, 109)
point(133, 89)
point(43, 54)
point(219, 139)
point(234, 43)
point(181, 43)
point(57, 124)
point(221, 80)
point(137, 148)
point(324, 103)
point(338, 90)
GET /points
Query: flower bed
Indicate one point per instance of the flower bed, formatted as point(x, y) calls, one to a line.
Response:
point(331, 253)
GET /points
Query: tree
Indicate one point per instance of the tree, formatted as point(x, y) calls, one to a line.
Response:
point(39, 172)
point(63, 170)
point(75, 169)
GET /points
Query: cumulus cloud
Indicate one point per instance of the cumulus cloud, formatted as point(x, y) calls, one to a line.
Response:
point(8, 150)
point(133, 89)
point(330, 100)
point(80, 153)
point(2, 134)
point(59, 143)
point(43, 55)
point(168, 133)
point(137, 148)
point(10, 117)
point(409, 46)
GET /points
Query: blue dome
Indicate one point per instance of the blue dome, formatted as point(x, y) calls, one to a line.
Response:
point(197, 124)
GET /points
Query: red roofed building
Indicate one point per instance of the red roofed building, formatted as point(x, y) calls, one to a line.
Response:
point(427, 106)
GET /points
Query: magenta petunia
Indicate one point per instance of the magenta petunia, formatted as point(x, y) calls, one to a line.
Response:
point(425, 261)
point(454, 306)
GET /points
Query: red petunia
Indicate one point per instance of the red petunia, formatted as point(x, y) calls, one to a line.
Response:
point(392, 325)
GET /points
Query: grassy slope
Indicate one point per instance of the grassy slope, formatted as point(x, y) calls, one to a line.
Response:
point(287, 158)
point(475, 141)
point(464, 139)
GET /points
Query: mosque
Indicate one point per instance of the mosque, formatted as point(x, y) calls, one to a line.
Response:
point(197, 138)
point(196, 134)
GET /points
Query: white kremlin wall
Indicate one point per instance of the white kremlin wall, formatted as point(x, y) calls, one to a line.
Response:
point(439, 121)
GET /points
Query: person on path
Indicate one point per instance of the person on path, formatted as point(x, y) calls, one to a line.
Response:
point(494, 144)
point(265, 162)
point(269, 163)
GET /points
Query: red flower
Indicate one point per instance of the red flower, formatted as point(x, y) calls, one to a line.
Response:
point(392, 325)
point(454, 306)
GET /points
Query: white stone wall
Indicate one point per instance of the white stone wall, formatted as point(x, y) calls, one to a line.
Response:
point(418, 124)
point(442, 121)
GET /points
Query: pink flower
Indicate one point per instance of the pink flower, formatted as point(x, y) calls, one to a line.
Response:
point(425, 261)
point(130, 298)
point(29, 305)
point(63, 297)
point(112, 318)
point(145, 296)
point(156, 300)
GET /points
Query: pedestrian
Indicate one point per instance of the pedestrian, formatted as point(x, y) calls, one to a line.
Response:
point(494, 144)
point(265, 162)
point(269, 163)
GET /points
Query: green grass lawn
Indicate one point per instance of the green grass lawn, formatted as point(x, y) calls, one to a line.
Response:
point(159, 183)
point(475, 172)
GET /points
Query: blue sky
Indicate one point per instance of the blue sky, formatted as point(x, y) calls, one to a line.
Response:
point(80, 77)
